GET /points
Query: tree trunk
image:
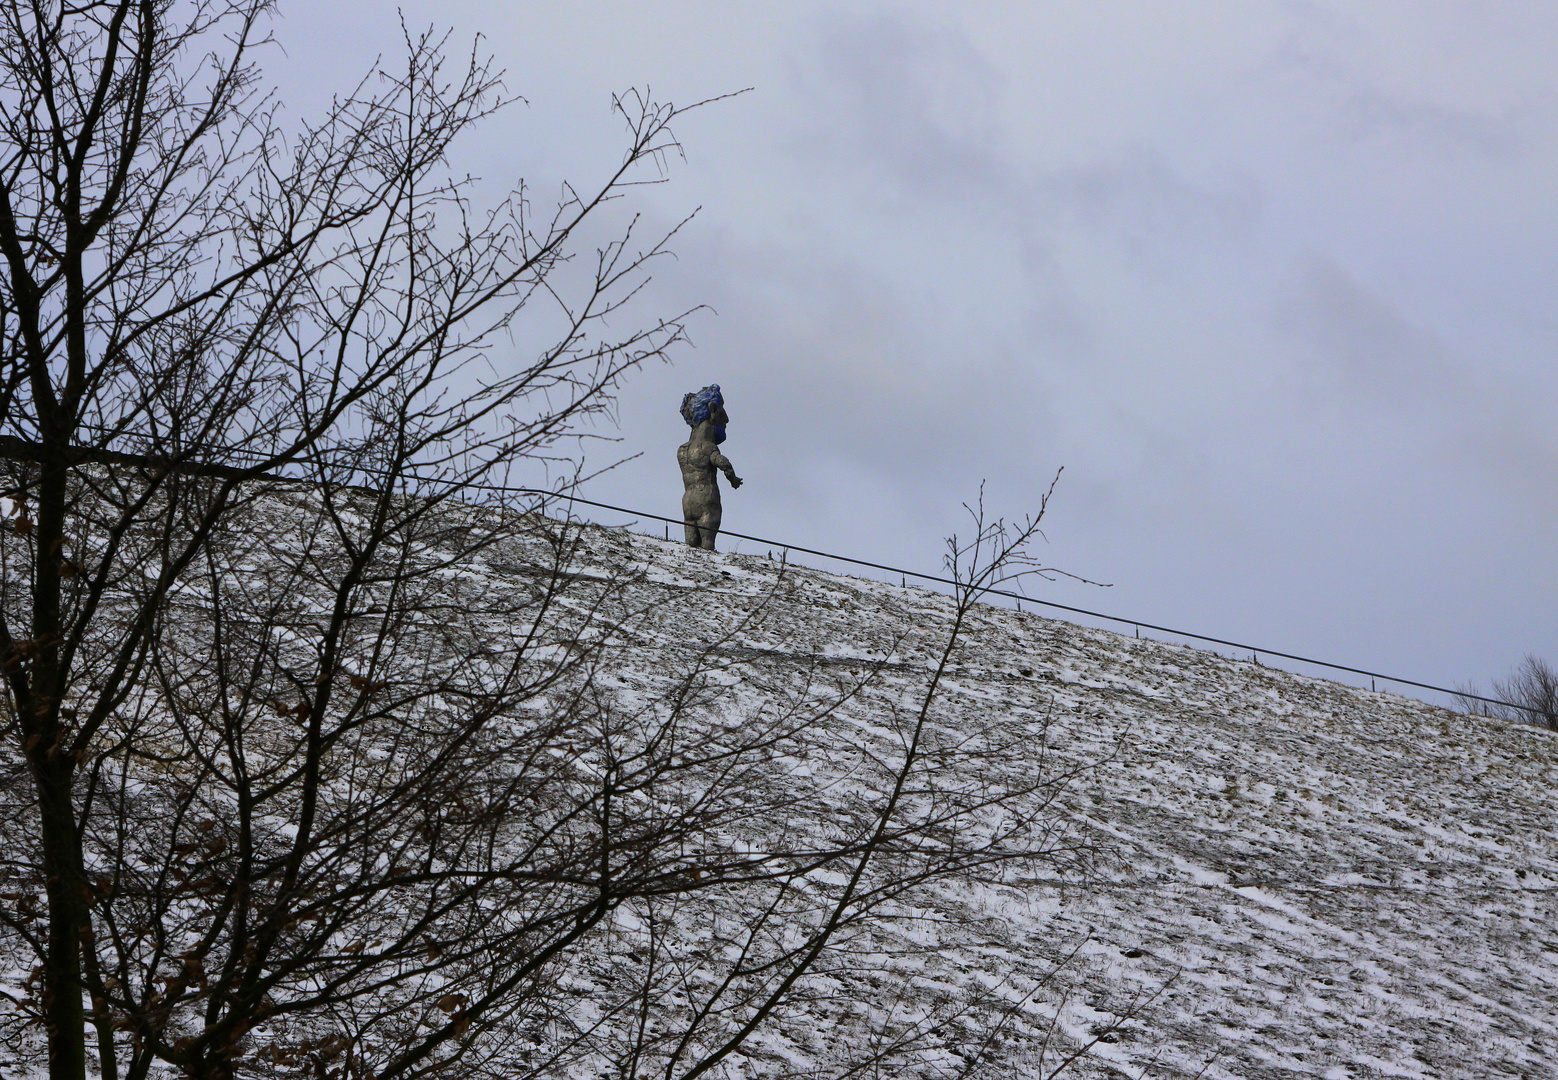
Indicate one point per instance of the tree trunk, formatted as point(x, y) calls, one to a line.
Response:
point(53, 768)
point(65, 1019)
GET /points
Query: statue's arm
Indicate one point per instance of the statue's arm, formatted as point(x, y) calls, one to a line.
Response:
point(722, 463)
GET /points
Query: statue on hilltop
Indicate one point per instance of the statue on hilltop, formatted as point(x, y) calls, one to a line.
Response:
point(699, 456)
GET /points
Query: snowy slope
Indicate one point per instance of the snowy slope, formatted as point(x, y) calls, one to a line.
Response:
point(1299, 878)
point(1288, 877)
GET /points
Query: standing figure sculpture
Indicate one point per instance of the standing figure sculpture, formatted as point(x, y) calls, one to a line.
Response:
point(699, 456)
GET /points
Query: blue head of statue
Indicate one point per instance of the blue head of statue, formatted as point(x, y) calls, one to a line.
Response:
point(696, 408)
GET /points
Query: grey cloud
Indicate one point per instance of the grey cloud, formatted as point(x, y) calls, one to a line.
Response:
point(1369, 111)
point(1364, 338)
point(1362, 109)
point(920, 103)
point(1153, 209)
point(1369, 347)
point(915, 109)
point(1053, 320)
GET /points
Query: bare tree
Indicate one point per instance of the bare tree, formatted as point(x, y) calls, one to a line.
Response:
point(188, 287)
point(421, 855)
point(321, 756)
point(1528, 696)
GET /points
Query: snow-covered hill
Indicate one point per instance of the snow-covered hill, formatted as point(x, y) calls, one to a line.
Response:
point(1250, 874)
point(1298, 878)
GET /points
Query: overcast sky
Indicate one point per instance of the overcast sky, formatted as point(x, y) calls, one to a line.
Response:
point(1275, 282)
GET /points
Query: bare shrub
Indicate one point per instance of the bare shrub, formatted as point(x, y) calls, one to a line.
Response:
point(1528, 696)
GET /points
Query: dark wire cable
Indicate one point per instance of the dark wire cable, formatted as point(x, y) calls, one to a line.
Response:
point(1017, 596)
point(20, 447)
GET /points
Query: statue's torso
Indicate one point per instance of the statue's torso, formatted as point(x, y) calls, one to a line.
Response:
point(698, 466)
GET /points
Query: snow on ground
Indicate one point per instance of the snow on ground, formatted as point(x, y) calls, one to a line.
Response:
point(1299, 878)
point(1292, 877)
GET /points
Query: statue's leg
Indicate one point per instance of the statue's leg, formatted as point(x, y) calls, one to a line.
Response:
point(709, 524)
point(692, 510)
